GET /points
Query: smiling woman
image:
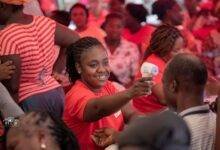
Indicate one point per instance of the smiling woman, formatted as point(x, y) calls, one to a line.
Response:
point(93, 101)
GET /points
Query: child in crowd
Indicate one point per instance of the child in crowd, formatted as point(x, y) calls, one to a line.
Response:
point(93, 102)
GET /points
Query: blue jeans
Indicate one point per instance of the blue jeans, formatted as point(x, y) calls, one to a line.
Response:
point(51, 101)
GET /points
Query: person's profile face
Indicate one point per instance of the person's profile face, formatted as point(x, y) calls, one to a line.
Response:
point(168, 91)
point(175, 15)
point(178, 46)
point(94, 67)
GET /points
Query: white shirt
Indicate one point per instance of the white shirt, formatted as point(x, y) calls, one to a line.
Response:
point(202, 124)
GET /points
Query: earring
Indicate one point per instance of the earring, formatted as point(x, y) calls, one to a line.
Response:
point(43, 146)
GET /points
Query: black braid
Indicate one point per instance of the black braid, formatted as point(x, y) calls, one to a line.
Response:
point(74, 52)
point(162, 40)
point(62, 134)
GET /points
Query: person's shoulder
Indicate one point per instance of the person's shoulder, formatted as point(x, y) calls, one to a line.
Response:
point(128, 45)
point(154, 59)
point(9, 34)
point(148, 28)
point(43, 19)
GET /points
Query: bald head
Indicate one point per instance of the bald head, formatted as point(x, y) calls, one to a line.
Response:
point(187, 70)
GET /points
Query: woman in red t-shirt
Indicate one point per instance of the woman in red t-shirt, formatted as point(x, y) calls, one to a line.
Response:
point(93, 102)
point(166, 41)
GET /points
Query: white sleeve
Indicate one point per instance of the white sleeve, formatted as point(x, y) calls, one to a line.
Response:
point(33, 8)
point(8, 107)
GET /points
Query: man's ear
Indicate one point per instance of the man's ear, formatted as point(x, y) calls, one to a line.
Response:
point(78, 68)
point(174, 86)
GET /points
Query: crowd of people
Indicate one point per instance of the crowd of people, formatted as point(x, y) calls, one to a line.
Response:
point(115, 81)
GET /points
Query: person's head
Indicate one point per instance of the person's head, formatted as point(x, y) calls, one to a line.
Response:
point(168, 11)
point(113, 25)
point(116, 5)
point(95, 5)
point(185, 74)
point(62, 17)
point(39, 130)
point(135, 13)
point(9, 8)
point(160, 131)
point(79, 15)
point(165, 41)
point(192, 6)
point(87, 60)
point(216, 10)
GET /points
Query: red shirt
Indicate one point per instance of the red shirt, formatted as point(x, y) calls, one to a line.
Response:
point(149, 104)
point(76, 100)
point(141, 38)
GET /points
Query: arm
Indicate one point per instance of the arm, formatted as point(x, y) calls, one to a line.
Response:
point(157, 89)
point(8, 107)
point(129, 113)
point(13, 84)
point(6, 70)
point(64, 36)
point(100, 107)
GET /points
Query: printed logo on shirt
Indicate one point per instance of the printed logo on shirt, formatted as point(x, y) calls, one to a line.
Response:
point(117, 114)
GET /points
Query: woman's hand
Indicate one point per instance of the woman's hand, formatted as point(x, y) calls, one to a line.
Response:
point(104, 137)
point(141, 87)
point(6, 70)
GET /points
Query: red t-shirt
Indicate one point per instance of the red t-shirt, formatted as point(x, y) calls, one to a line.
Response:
point(149, 104)
point(141, 38)
point(76, 100)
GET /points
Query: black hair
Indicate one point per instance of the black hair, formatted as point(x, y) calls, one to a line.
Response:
point(15, 8)
point(80, 6)
point(162, 40)
point(138, 11)
point(74, 52)
point(62, 17)
point(187, 70)
point(113, 16)
point(63, 136)
point(159, 131)
point(160, 7)
point(121, 1)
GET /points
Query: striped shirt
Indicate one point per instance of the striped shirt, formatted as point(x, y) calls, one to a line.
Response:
point(34, 43)
point(202, 124)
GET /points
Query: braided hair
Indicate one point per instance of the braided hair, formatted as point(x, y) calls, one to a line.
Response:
point(61, 134)
point(74, 52)
point(162, 40)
